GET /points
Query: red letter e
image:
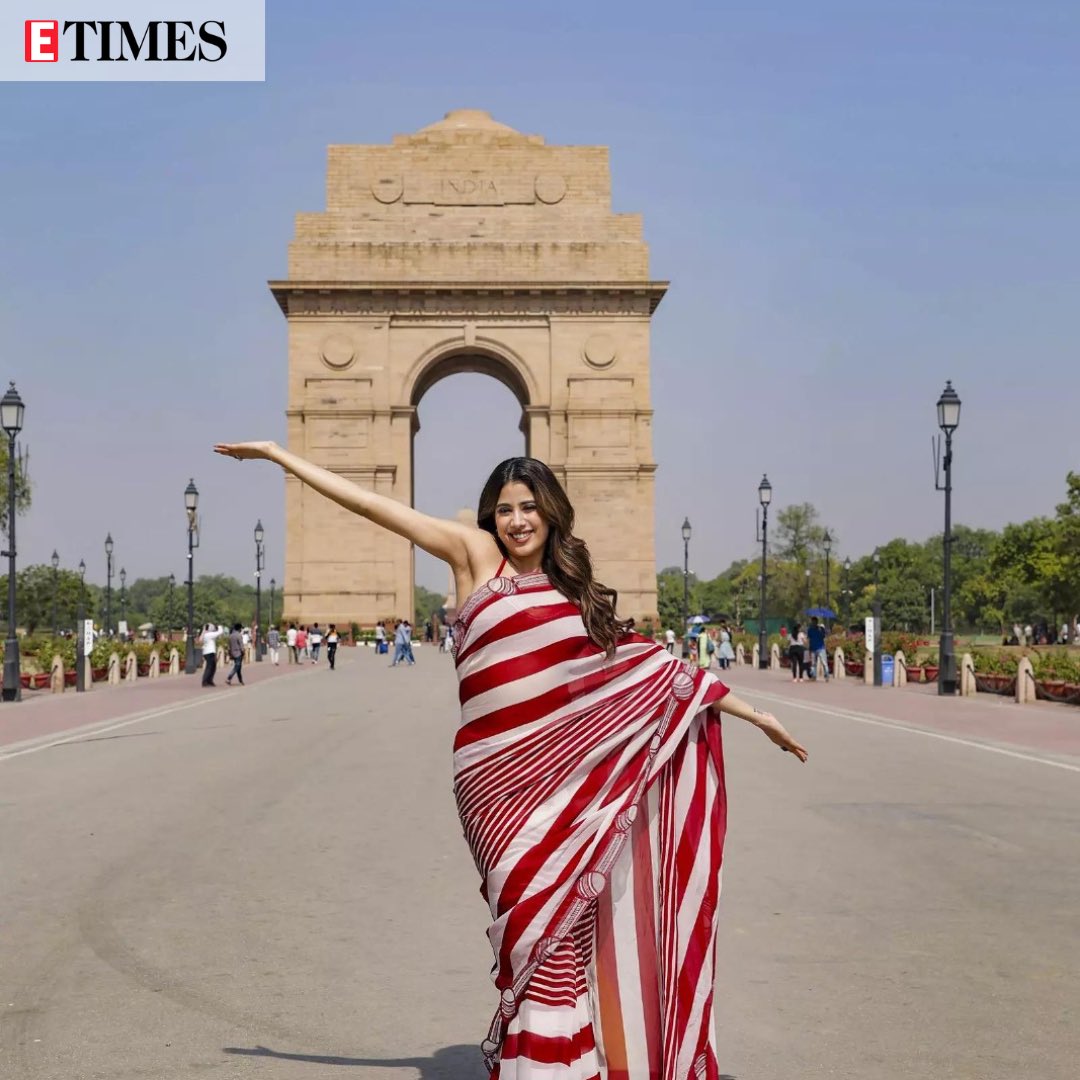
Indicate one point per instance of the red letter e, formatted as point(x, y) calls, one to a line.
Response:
point(42, 36)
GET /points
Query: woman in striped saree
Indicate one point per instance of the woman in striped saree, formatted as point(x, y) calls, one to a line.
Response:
point(589, 775)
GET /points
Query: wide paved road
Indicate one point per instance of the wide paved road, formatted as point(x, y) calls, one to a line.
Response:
point(273, 884)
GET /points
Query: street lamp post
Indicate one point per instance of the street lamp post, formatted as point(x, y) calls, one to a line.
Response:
point(764, 497)
point(847, 593)
point(948, 417)
point(191, 504)
point(55, 579)
point(12, 411)
point(108, 584)
point(685, 579)
point(826, 543)
point(123, 599)
point(80, 632)
point(171, 615)
point(259, 534)
point(877, 621)
point(273, 585)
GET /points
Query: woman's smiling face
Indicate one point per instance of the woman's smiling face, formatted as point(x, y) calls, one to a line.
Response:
point(522, 531)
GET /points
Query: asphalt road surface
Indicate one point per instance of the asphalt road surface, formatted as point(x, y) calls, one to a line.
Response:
point(273, 883)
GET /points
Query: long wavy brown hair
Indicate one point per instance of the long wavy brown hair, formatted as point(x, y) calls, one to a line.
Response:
point(566, 559)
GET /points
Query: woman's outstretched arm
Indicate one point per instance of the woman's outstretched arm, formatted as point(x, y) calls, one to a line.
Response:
point(768, 723)
point(451, 541)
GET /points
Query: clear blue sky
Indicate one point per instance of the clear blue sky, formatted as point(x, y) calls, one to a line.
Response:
point(853, 202)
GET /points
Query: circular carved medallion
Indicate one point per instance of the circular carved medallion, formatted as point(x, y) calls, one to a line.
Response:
point(599, 350)
point(550, 187)
point(387, 189)
point(338, 351)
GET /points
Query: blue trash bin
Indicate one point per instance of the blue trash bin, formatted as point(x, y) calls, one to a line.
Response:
point(886, 669)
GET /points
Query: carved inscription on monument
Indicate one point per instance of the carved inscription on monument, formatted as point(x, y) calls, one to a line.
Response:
point(469, 189)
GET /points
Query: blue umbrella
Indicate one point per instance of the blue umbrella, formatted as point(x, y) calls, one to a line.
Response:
point(821, 612)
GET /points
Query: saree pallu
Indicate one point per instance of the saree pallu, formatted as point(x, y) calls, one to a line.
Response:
point(591, 793)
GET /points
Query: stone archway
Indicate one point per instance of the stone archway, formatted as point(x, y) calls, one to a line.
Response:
point(466, 247)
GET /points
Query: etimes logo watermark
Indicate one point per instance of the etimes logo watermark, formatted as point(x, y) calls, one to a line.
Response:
point(113, 40)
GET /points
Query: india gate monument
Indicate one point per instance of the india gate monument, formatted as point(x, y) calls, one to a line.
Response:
point(466, 246)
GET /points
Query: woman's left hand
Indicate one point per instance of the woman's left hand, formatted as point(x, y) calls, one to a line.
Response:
point(777, 732)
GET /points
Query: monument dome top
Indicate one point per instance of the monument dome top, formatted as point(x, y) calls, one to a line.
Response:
point(468, 120)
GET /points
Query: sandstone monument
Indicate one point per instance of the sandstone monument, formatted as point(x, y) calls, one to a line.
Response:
point(467, 246)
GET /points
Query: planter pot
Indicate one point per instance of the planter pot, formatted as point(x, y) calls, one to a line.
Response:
point(854, 667)
point(69, 678)
point(995, 684)
point(931, 672)
point(914, 674)
point(99, 674)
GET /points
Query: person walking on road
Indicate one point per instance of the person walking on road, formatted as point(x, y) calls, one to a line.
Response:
point(796, 651)
point(315, 642)
point(209, 638)
point(819, 654)
point(331, 645)
point(290, 641)
point(380, 638)
point(587, 763)
point(273, 644)
point(726, 654)
point(236, 654)
point(301, 644)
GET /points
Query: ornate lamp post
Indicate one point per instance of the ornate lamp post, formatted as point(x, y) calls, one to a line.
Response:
point(259, 635)
point(685, 579)
point(108, 584)
point(80, 640)
point(171, 616)
point(273, 585)
point(948, 418)
point(191, 504)
point(847, 593)
point(764, 497)
point(55, 560)
point(12, 411)
point(826, 543)
point(877, 620)
point(123, 598)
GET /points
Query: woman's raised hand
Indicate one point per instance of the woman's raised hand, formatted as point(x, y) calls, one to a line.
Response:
point(776, 731)
point(242, 450)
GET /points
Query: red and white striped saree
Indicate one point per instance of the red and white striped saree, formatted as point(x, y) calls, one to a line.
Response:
point(591, 791)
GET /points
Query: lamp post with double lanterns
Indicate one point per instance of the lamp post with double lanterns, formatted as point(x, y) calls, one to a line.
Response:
point(259, 635)
point(12, 411)
point(191, 505)
point(948, 418)
point(55, 560)
point(108, 584)
point(764, 497)
point(685, 580)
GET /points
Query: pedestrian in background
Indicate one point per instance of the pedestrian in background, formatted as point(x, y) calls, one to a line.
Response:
point(315, 642)
point(726, 653)
point(818, 653)
point(273, 643)
point(290, 641)
point(331, 645)
point(796, 651)
point(209, 638)
point(301, 644)
point(236, 654)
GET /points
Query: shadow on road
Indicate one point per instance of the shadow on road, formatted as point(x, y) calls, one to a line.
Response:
point(450, 1063)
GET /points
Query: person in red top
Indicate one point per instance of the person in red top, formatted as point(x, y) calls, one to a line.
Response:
point(589, 778)
point(301, 642)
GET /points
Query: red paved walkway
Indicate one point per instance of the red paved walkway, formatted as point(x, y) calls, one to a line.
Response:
point(1047, 727)
point(42, 713)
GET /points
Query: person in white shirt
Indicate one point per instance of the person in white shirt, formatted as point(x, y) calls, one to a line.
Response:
point(209, 638)
point(290, 641)
point(315, 641)
point(669, 640)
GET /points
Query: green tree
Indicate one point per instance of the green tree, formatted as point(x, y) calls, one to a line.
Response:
point(426, 603)
point(22, 485)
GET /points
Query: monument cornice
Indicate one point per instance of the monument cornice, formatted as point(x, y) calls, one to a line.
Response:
point(333, 298)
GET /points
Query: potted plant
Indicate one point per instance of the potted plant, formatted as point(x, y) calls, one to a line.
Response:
point(931, 667)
